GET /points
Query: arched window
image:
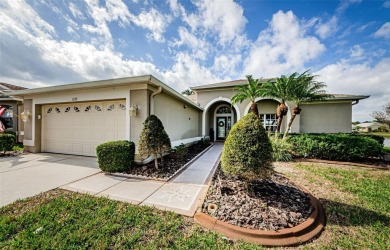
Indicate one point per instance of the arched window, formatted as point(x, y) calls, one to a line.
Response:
point(224, 110)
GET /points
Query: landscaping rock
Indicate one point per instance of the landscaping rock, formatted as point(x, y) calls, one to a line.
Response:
point(269, 204)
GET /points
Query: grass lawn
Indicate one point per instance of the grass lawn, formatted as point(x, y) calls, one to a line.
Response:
point(384, 134)
point(18, 147)
point(386, 149)
point(356, 201)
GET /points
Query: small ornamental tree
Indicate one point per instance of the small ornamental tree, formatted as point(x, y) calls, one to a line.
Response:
point(154, 140)
point(247, 151)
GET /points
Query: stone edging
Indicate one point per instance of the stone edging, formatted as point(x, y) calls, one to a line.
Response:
point(345, 163)
point(297, 235)
point(141, 177)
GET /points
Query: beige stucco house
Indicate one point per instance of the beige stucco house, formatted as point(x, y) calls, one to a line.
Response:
point(75, 118)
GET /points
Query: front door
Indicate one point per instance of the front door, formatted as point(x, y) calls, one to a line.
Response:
point(221, 128)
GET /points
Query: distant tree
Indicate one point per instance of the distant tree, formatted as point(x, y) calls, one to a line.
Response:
point(383, 116)
point(250, 91)
point(187, 92)
point(154, 140)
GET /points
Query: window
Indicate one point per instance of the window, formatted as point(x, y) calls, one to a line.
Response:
point(269, 121)
point(122, 106)
point(88, 108)
point(224, 110)
point(111, 107)
point(67, 109)
point(49, 110)
point(58, 110)
point(6, 118)
point(98, 108)
point(76, 109)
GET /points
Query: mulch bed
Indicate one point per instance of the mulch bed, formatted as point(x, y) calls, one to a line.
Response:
point(271, 204)
point(172, 163)
point(13, 153)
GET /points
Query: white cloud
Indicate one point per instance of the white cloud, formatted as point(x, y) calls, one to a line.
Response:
point(384, 31)
point(344, 4)
point(386, 4)
point(197, 44)
point(153, 21)
point(357, 51)
point(226, 64)
point(325, 30)
point(282, 48)
point(359, 79)
point(76, 12)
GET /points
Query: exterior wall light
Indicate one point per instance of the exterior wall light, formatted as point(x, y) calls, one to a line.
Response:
point(133, 110)
point(25, 115)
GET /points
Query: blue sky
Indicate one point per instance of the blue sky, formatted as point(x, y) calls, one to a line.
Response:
point(189, 43)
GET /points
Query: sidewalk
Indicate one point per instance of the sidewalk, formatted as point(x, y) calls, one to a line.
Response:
point(181, 194)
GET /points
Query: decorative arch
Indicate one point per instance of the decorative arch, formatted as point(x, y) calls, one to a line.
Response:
point(210, 103)
point(288, 117)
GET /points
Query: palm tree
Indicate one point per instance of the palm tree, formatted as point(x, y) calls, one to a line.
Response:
point(305, 89)
point(250, 91)
point(281, 90)
point(187, 92)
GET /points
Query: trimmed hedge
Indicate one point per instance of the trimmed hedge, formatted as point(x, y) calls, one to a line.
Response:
point(6, 142)
point(378, 138)
point(247, 151)
point(340, 147)
point(115, 156)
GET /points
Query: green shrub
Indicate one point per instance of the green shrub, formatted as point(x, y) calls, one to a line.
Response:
point(341, 147)
point(115, 156)
point(181, 151)
point(154, 140)
point(386, 149)
point(6, 142)
point(247, 151)
point(378, 138)
point(280, 149)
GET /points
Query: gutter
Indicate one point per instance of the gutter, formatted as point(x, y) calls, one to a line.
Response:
point(158, 91)
point(356, 102)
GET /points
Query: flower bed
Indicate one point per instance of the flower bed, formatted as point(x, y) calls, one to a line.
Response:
point(173, 163)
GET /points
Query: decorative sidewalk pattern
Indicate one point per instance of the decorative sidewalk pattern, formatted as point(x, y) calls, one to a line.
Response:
point(181, 194)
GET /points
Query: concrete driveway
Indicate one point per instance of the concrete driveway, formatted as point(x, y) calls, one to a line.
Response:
point(28, 175)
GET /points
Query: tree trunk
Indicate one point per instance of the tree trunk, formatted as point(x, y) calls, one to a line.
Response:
point(254, 108)
point(296, 111)
point(281, 111)
point(155, 161)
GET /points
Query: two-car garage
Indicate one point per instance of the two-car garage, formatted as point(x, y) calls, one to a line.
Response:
point(77, 128)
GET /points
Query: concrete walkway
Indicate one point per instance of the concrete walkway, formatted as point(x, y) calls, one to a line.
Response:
point(181, 195)
point(28, 175)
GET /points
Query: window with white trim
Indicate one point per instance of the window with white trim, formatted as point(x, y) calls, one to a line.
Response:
point(269, 121)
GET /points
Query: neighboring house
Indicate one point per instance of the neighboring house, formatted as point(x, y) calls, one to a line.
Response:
point(367, 126)
point(75, 118)
point(14, 107)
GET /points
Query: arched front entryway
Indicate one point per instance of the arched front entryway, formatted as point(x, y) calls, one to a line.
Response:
point(218, 118)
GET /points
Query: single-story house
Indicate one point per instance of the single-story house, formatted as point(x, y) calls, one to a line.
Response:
point(75, 118)
point(14, 106)
point(366, 126)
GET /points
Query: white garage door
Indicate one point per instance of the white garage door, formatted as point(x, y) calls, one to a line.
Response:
point(77, 128)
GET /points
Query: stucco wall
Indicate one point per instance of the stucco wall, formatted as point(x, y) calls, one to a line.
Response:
point(326, 118)
point(205, 97)
point(179, 122)
point(141, 99)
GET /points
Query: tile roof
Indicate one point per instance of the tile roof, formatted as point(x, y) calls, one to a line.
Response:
point(6, 87)
point(235, 83)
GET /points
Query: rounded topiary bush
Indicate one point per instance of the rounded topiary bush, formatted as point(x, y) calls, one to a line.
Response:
point(6, 142)
point(247, 151)
point(115, 156)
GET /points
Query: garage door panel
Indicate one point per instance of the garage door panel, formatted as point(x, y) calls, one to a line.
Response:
point(80, 132)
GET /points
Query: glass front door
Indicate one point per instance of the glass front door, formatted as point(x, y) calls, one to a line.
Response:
point(221, 128)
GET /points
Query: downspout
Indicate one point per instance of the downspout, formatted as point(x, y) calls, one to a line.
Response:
point(356, 102)
point(158, 91)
